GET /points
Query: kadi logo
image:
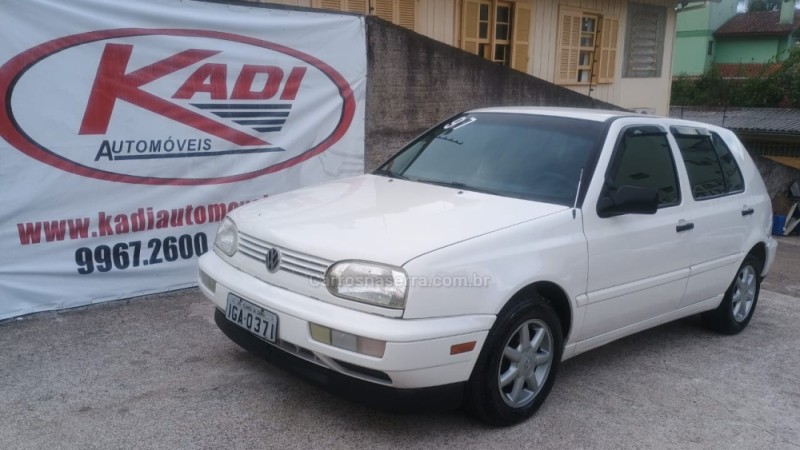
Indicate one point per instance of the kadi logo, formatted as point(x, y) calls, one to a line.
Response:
point(133, 105)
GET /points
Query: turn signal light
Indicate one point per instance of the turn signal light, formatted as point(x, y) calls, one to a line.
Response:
point(464, 347)
point(347, 341)
point(208, 282)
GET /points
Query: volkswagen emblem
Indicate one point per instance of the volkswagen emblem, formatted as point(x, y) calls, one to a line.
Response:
point(273, 260)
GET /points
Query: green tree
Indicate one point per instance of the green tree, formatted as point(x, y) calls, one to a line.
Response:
point(769, 88)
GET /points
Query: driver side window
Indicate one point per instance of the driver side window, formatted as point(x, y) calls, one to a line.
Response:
point(643, 158)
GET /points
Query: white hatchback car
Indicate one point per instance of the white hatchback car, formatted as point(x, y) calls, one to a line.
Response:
point(491, 248)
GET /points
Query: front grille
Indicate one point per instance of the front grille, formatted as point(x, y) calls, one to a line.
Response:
point(291, 261)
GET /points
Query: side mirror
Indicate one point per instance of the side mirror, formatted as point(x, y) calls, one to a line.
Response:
point(628, 200)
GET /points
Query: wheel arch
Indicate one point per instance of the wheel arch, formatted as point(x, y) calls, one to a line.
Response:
point(760, 252)
point(557, 297)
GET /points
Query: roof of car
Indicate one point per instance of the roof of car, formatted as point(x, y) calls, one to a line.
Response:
point(597, 115)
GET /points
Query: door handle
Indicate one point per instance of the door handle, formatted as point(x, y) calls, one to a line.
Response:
point(686, 226)
point(748, 211)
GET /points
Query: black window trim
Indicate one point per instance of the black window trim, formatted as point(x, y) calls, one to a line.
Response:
point(615, 154)
point(675, 134)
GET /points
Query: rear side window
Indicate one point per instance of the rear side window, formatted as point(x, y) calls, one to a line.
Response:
point(711, 167)
point(643, 159)
point(730, 170)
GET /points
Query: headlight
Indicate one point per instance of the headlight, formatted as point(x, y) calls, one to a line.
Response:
point(227, 237)
point(368, 283)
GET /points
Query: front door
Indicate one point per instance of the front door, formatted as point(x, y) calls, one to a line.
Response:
point(638, 263)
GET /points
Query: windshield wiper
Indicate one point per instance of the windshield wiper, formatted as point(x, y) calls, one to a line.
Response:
point(389, 174)
point(450, 140)
point(456, 185)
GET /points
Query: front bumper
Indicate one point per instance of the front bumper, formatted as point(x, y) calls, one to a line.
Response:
point(417, 351)
point(436, 398)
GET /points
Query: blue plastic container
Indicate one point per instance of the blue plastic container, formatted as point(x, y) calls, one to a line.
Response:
point(778, 222)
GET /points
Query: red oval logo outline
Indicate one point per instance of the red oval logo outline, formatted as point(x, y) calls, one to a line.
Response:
point(13, 70)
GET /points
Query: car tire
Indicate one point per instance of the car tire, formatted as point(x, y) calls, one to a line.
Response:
point(511, 379)
point(739, 302)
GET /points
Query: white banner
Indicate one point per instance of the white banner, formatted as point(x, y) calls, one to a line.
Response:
point(130, 127)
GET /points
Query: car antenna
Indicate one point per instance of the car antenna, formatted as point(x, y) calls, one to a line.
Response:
point(577, 194)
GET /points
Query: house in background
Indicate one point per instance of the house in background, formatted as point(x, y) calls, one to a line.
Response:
point(617, 51)
point(738, 44)
point(758, 37)
point(694, 35)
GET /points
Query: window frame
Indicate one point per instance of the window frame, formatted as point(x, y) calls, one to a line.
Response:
point(516, 47)
point(710, 136)
point(733, 158)
point(661, 35)
point(612, 161)
point(603, 54)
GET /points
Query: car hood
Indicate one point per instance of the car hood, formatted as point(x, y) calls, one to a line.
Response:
point(380, 219)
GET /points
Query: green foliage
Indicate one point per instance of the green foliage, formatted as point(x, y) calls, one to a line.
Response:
point(769, 87)
point(788, 77)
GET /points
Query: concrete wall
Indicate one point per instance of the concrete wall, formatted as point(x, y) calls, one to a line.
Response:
point(415, 82)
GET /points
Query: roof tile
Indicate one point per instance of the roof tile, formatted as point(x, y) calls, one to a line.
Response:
point(758, 23)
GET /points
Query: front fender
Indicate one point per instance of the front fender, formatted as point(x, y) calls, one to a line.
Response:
point(479, 275)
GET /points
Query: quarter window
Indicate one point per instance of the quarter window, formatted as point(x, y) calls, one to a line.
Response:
point(711, 167)
point(643, 159)
point(730, 170)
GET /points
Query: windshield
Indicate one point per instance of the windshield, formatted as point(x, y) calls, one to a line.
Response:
point(515, 155)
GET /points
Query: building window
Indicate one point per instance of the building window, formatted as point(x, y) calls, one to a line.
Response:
point(710, 50)
point(399, 12)
point(587, 47)
point(497, 30)
point(644, 40)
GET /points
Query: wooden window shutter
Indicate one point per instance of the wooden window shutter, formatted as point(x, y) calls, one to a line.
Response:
point(607, 60)
point(335, 5)
point(469, 26)
point(384, 9)
point(407, 13)
point(400, 12)
point(520, 44)
point(357, 6)
point(569, 41)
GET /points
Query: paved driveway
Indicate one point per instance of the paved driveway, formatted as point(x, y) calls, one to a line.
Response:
point(156, 373)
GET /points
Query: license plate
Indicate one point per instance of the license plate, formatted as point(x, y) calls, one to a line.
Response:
point(252, 318)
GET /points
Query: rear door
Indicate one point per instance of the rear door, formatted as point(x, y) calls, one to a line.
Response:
point(721, 211)
point(638, 263)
